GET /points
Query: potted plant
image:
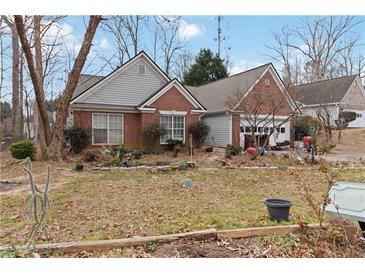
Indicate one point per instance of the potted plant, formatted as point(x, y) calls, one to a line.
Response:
point(278, 209)
point(79, 166)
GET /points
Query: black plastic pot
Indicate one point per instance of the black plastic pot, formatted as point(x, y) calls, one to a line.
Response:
point(79, 167)
point(278, 209)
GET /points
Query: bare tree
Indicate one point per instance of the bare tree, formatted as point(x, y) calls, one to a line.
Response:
point(283, 54)
point(259, 112)
point(53, 143)
point(16, 114)
point(170, 43)
point(316, 49)
point(183, 63)
point(323, 114)
point(126, 32)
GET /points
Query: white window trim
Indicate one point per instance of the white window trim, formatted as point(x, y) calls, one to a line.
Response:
point(173, 112)
point(168, 113)
point(107, 129)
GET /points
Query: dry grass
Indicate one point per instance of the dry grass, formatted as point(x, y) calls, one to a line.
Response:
point(107, 205)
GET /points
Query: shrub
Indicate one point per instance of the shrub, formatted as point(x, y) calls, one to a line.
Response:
point(172, 143)
point(200, 131)
point(232, 151)
point(348, 116)
point(23, 149)
point(306, 126)
point(117, 158)
point(90, 156)
point(151, 151)
point(153, 132)
point(136, 154)
point(78, 138)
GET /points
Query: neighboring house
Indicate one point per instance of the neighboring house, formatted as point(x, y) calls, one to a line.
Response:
point(333, 95)
point(120, 106)
point(29, 132)
point(228, 125)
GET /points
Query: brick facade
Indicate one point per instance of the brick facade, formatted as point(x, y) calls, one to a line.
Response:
point(270, 99)
point(135, 123)
point(270, 96)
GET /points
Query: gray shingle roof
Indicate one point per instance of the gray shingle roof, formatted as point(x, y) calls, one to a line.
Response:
point(324, 91)
point(85, 81)
point(214, 95)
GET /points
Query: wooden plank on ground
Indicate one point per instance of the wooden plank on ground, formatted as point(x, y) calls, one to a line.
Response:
point(259, 231)
point(120, 243)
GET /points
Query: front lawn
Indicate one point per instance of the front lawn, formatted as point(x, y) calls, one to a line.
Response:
point(107, 205)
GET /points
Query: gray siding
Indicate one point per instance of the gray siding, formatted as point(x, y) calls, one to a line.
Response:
point(220, 129)
point(128, 88)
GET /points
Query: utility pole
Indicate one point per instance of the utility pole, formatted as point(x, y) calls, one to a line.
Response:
point(219, 35)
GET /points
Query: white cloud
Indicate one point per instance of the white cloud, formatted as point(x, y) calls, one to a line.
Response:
point(242, 65)
point(64, 35)
point(187, 31)
point(104, 44)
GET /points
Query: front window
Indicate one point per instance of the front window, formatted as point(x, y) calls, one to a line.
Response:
point(175, 126)
point(107, 128)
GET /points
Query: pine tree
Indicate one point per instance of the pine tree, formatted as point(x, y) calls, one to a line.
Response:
point(206, 68)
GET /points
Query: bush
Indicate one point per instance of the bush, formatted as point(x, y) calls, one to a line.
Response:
point(232, 151)
point(200, 131)
point(90, 156)
point(172, 143)
point(23, 149)
point(136, 154)
point(347, 116)
point(78, 138)
point(305, 125)
point(117, 158)
point(151, 151)
point(153, 132)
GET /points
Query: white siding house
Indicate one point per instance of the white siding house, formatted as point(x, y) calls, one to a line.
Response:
point(220, 129)
point(336, 95)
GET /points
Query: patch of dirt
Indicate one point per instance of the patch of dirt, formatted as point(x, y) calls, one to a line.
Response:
point(7, 185)
point(340, 239)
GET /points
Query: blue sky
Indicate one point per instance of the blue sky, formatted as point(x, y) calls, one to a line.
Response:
point(245, 35)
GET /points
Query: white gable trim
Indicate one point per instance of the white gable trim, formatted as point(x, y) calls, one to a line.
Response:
point(277, 81)
point(181, 89)
point(119, 71)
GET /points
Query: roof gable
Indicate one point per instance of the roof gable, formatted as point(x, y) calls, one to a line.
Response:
point(213, 95)
point(125, 86)
point(165, 88)
point(324, 91)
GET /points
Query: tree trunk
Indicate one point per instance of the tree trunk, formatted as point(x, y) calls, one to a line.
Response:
point(16, 126)
point(44, 127)
point(55, 148)
point(21, 97)
point(44, 130)
point(52, 145)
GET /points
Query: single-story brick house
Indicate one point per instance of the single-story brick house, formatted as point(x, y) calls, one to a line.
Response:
point(334, 95)
point(120, 106)
point(229, 124)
